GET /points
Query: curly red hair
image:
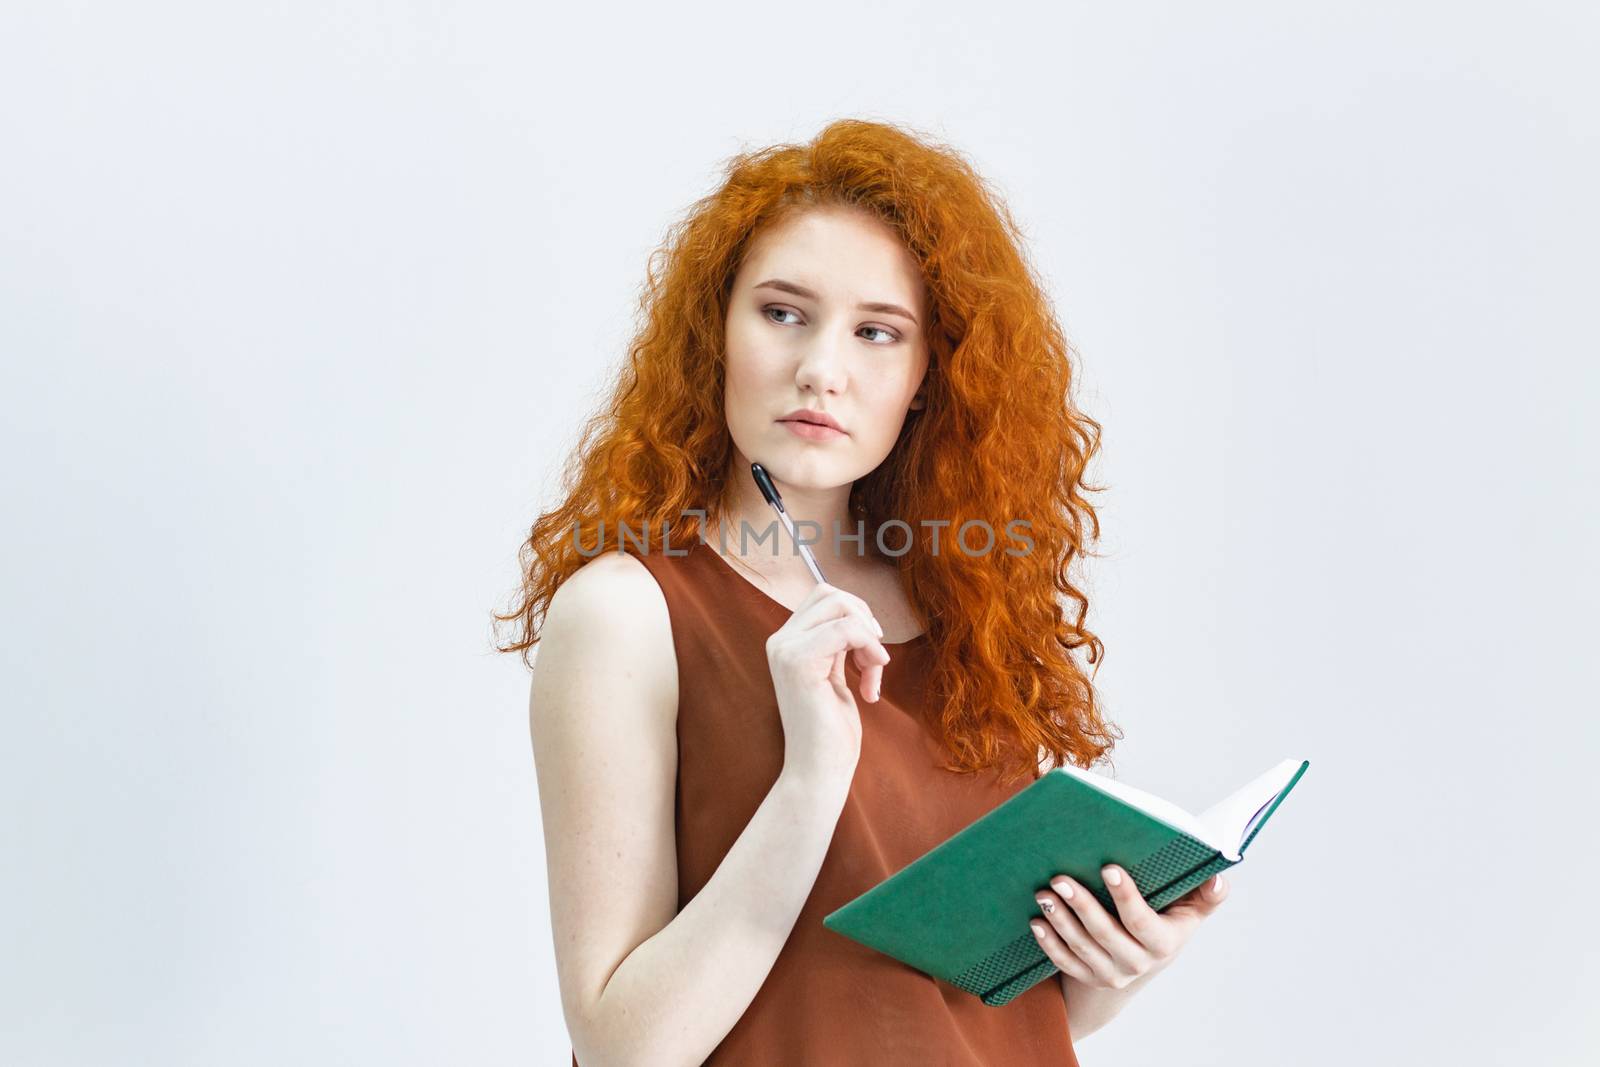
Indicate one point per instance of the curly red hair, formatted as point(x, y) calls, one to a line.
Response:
point(1000, 438)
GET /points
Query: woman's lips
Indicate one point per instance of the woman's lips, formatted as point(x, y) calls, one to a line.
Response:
point(811, 431)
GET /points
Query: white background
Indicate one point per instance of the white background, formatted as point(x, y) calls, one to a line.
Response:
point(301, 306)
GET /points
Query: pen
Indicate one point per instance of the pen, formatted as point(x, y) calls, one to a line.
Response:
point(770, 491)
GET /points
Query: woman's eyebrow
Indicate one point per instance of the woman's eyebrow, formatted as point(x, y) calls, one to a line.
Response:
point(802, 291)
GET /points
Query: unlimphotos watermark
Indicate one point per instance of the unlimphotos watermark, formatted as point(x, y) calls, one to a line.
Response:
point(974, 537)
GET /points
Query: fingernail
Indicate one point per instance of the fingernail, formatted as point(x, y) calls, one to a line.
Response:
point(1113, 876)
point(1063, 889)
point(1045, 905)
point(1037, 928)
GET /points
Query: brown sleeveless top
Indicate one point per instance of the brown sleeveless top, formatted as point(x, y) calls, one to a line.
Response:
point(827, 998)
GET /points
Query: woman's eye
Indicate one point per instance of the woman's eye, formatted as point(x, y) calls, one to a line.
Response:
point(769, 310)
point(888, 335)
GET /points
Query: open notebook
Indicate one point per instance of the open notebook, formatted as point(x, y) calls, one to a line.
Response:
point(960, 911)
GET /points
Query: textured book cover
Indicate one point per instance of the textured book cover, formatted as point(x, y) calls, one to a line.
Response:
point(960, 911)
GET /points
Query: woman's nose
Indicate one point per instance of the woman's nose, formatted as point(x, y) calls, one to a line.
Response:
point(822, 363)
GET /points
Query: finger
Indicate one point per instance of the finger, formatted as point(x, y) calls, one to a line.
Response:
point(871, 655)
point(832, 602)
point(1202, 900)
point(1064, 922)
point(1107, 932)
point(842, 635)
point(872, 682)
point(1138, 918)
point(823, 604)
point(836, 672)
point(870, 661)
point(872, 670)
point(1060, 953)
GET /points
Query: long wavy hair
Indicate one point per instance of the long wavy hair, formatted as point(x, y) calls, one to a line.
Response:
point(999, 439)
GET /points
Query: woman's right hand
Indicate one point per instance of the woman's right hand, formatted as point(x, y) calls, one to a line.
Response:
point(821, 723)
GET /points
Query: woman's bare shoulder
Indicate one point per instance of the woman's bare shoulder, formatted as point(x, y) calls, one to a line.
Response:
point(612, 583)
point(612, 604)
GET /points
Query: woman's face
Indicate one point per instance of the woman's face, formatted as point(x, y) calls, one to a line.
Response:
point(826, 315)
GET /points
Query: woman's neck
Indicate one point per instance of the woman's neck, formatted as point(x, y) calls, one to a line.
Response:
point(820, 516)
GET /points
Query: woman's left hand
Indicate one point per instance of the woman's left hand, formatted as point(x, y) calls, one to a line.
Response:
point(1105, 951)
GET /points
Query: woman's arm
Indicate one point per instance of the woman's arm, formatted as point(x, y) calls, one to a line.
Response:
point(640, 981)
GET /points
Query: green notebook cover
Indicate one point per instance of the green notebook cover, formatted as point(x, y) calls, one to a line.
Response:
point(960, 911)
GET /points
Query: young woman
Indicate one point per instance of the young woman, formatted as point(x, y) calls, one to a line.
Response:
point(855, 314)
